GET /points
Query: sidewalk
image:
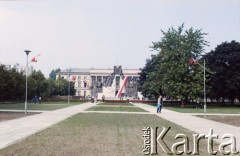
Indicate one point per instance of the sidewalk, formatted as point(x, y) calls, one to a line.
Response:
point(15, 130)
point(196, 124)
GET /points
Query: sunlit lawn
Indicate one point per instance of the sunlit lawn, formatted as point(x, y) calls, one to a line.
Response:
point(116, 108)
point(42, 106)
point(210, 109)
point(98, 134)
point(116, 104)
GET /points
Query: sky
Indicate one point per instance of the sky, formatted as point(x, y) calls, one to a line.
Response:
point(104, 33)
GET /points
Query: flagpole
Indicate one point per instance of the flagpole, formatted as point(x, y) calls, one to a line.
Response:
point(205, 103)
point(26, 70)
point(69, 85)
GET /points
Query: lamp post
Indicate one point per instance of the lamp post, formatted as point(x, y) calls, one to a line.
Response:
point(69, 85)
point(205, 103)
point(26, 70)
point(204, 80)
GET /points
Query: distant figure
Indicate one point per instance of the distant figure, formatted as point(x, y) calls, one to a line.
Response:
point(35, 99)
point(95, 99)
point(103, 98)
point(199, 105)
point(159, 104)
point(183, 103)
point(39, 99)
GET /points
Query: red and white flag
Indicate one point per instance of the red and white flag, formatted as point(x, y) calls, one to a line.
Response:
point(192, 61)
point(35, 59)
point(74, 78)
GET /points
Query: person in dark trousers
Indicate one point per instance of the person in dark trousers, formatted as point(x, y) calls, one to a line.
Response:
point(35, 99)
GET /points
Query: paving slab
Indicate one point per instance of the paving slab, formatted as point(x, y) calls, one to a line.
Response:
point(196, 124)
point(15, 130)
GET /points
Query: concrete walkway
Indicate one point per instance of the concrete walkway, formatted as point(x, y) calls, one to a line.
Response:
point(15, 130)
point(196, 124)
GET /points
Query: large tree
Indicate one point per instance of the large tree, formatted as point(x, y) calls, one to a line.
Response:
point(38, 85)
point(176, 77)
point(11, 84)
point(149, 81)
point(62, 86)
point(224, 61)
point(52, 75)
point(3, 82)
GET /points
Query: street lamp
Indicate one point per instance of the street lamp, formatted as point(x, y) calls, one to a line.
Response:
point(26, 70)
point(69, 84)
point(192, 61)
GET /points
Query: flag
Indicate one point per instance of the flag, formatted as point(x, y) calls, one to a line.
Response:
point(192, 61)
point(73, 78)
point(35, 59)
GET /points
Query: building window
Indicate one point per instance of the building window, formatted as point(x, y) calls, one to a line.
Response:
point(99, 78)
point(84, 93)
point(93, 78)
point(79, 93)
point(117, 82)
point(79, 83)
point(79, 77)
point(85, 84)
point(85, 77)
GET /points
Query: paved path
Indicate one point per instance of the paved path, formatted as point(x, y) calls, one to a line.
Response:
point(196, 124)
point(15, 130)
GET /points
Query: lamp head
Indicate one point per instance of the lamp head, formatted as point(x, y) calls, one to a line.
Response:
point(27, 51)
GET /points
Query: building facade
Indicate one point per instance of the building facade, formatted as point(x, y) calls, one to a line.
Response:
point(19, 68)
point(112, 83)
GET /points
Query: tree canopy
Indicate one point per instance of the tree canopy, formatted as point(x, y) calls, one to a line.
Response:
point(172, 74)
point(12, 85)
point(52, 75)
point(224, 62)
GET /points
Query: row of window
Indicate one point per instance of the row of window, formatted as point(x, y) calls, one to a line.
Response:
point(84, 93)
point(85, 84)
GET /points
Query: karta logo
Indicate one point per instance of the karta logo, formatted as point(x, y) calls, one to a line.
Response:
point(152, 141)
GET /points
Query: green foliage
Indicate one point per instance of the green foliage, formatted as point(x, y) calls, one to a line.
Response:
point(12, 85)
point(52, 75)
point(149, 82)
point(224, 61)
point(37, 84)
point(171, 73)
point(62, 86)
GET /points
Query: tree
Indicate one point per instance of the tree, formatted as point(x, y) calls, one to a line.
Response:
point(224, 61)
point(16, 85)
point(52, 75)
point(3, 82)
point(149, 82)
point(62, 87)
point(38, 85)
point(177, 78)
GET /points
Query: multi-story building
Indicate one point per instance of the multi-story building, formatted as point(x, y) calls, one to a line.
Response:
point(110, 83)
point(19, 68)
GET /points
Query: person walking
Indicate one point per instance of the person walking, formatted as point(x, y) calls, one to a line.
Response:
point(39, 99)
point(159, 104)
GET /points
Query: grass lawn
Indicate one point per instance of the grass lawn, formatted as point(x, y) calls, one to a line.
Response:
point(116, 104)
point(98, 134)
point(31, 106)
point(210, 109)
point(120, 108)
point(230, 120)
point(4, 116)
point(62, 102)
